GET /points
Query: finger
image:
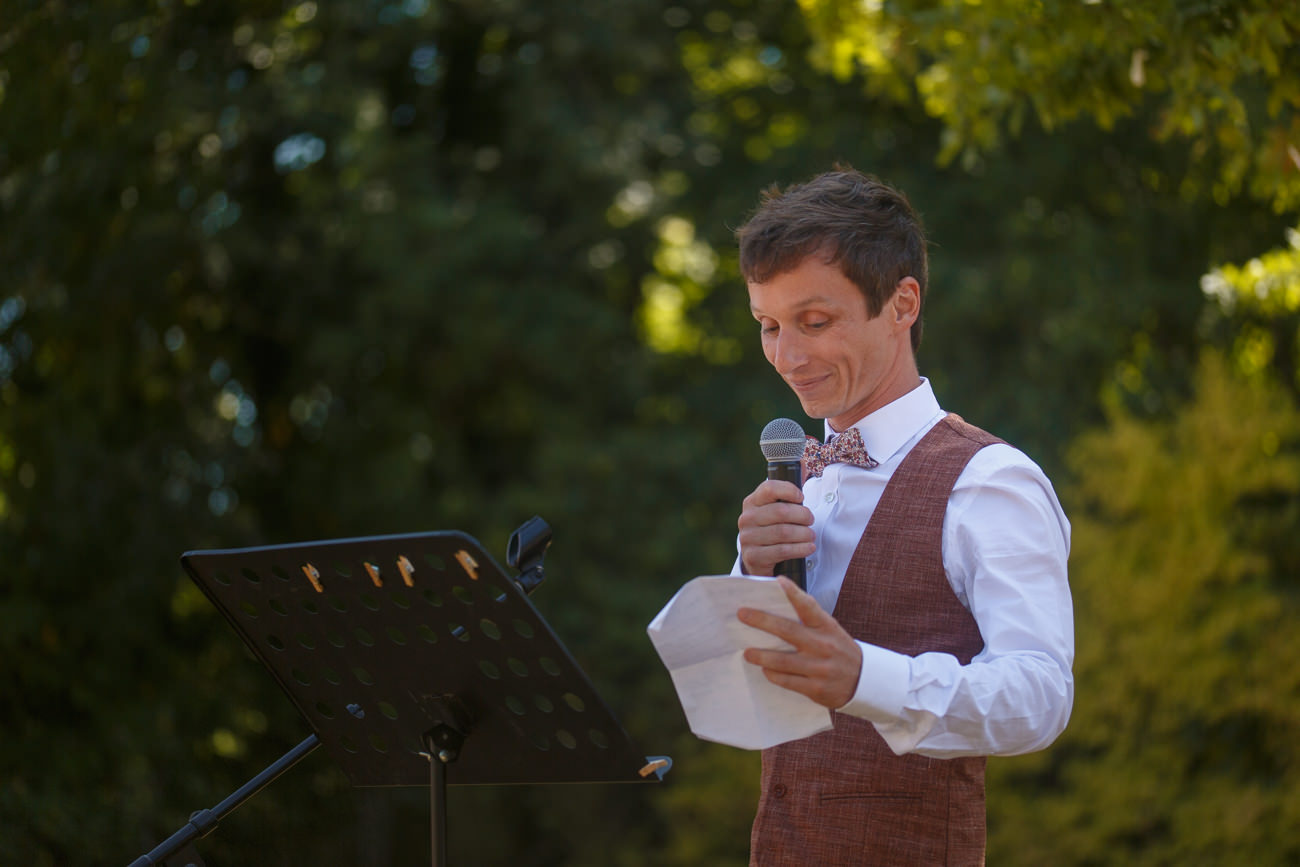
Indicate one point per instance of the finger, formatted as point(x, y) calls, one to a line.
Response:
point(764, 535)
point(773, 514)
point(810, 612)
point(782, 627)
point(824, 693)
point(774, 491)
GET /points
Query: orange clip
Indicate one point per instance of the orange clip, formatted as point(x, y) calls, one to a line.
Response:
point(467, 563)
point(313, 575)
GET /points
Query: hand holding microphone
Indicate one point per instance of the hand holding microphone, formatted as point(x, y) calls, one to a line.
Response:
point(775, 527)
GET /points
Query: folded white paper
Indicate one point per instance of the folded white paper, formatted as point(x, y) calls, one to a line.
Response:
point(727, 699)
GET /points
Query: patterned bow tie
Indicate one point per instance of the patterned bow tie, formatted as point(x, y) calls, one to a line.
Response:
point(846, 448)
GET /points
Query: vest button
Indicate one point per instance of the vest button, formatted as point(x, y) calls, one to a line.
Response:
point(779, 790)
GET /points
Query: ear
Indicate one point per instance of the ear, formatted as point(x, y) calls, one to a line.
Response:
point(905, 305)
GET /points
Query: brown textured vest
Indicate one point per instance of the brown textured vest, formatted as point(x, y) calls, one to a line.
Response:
point(842, 796)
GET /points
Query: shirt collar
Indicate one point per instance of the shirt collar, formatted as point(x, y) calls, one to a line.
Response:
point(895, 424)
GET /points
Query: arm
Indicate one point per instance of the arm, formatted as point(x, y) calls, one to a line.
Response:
point(1006, 542)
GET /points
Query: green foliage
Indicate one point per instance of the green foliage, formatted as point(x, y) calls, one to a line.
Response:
point(276, 273)
point(1221, 75)
point(1181, 747)
point(1257, 312)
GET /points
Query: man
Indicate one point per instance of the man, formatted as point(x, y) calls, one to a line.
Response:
point(937, 620)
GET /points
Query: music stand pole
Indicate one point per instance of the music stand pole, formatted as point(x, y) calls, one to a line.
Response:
point(203, 822)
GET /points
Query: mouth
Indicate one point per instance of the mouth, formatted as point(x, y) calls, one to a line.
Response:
point(802, 386)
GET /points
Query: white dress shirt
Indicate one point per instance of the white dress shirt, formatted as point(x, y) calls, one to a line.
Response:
point(1005, 545)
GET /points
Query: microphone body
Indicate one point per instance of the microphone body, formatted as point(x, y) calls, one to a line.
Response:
point(782, 442)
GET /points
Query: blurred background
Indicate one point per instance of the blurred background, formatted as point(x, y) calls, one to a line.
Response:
point(275, 271)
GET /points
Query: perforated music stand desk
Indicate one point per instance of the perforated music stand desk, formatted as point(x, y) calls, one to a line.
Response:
point(399, 650)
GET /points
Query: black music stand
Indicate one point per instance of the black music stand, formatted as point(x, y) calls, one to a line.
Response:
point(416, 661)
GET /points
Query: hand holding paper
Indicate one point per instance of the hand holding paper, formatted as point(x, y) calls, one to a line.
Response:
point(702, 642)
point(827, 661)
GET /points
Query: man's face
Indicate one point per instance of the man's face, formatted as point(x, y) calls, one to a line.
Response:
point(841, 362)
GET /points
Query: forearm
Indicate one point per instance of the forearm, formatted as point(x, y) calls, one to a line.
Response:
point(934, 706)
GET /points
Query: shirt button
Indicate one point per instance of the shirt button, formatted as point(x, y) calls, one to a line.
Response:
point(830, 496)
point(778, 791)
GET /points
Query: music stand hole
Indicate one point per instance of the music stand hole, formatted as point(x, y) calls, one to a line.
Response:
point(524, 629)
point(336, 639)
point(380, 745)
point(568, 741)
point(516, 706)
point(517, 666)
point(339, 604)
point(388, 710)
point(253, 577)
point(435, 562)
point(463, 594)
point(275, 642)
point(331, 676)
point(363, 676)
point(432, 598)
point(368, 600)
point(543, 703)
point(279, 572)
point(597, 737)
point(550, 666)
point(301, 676)
point(401, 600)
point(343, 570)
point(366, 639)
point(348, 744)
point(220, 576)
point(306, 640)
point(309, 605)
point(426, 633)
point(278, 607)
point(574, 702)
point(324, 710)
point(489, 669)
point(458, 632)
point(490, 629)
point(396, 636)
point(248, 608)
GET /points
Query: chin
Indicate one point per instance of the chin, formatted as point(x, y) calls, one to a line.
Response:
point(814, 411)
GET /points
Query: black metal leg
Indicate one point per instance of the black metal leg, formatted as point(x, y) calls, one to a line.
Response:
point(203, 821)
point(438, 809)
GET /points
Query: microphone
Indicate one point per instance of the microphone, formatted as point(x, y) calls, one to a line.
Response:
point(782, 442)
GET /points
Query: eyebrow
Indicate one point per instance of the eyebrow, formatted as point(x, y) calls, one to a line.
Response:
point(805, 303)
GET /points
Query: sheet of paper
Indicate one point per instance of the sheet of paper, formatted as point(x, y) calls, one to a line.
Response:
point(726, 699)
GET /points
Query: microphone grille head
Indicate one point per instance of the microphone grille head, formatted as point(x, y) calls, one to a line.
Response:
point(782, 440)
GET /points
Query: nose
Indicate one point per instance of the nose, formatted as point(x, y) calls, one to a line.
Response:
point(787, 352)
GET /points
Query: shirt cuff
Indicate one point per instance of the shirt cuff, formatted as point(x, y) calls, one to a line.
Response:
point(882, 685)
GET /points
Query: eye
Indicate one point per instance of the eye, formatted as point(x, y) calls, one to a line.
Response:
point(817, 324)
point(766, 327)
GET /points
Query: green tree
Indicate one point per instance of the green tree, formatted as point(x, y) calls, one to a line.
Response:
point(1221, 75)
point(1180, 748)
point(276, 272)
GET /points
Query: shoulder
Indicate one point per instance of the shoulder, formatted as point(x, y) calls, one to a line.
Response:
point(1002, 483)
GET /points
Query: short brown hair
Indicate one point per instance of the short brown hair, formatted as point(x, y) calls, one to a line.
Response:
point(851, 219)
